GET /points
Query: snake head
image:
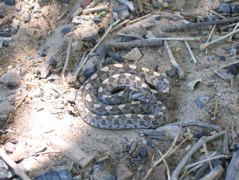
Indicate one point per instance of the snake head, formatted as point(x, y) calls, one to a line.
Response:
point(163, 86)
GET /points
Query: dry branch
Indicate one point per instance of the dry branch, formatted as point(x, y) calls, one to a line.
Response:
point(173, 28)
point(172, 60)
point(13, 165)
point(205, 45)
point(195, 148)
point(215, 173)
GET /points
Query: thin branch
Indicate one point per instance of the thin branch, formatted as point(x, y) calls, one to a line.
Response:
point(172, 60)
point(171, 28)
point(195, 148)
point(190, 52)
point(68, 52)
point(168, 153)
point(205, 45)
point(13, 165)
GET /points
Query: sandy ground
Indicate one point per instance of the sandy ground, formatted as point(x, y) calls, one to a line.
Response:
point(37, 119)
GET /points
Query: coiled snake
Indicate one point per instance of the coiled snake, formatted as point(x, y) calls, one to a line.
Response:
point(122, 96)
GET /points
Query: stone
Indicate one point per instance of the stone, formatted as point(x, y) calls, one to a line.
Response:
point(100, 173)
point(4, 171)
point(87, 33)
point(234, 8)
point(76, 46)
point(12, 79)
point(121, 12)
point(9, 147)
point(173, 72)
point(97, 19)
point(234, 69)
point(143, 152)
point(66, 29)
point(43, 53)
point(165, 5)
point(63, 174)
point(225, 8)
point(201, 101)
point(124, 173)
point(156, 4)
point(222, 58)
point(9, 2)
point(38, 93)
point(27, 18)
point(133, 55)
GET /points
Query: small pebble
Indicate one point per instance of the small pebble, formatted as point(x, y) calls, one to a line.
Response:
point(89, 72)
point(225, 8)
point(43, 53)
point(124, 173)
point(157, 18)
point(5, 43)
point(200, 134)
point(66, 29)
point(165, 5)
point(156, 4)
point(201, 101)
point(38, 93)
point(172, 72)
point(234, 69)
point(9, 147)
point(27, 18)
point(234, 8)
point(101, 31)
point(222, 58)
point(12, 79)
point(57, 174)
point(143, 152)
point(97, 19)
point(9, 2)
point(100, 173)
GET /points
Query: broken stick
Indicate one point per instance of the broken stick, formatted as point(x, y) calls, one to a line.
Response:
point(195, 148)
point(190, 52)
point(173, 62)
point(14, 166)
point(191, 26)
point(72, 151)
point(205, 45)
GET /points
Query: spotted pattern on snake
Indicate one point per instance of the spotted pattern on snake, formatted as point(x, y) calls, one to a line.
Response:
point(122, 96)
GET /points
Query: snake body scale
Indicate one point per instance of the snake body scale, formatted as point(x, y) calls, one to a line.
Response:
point(121, 96)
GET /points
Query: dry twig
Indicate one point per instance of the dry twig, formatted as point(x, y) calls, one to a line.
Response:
point(227, 65)
point(192, 26)
point(95, 9)
point(197, 123)
point(205, 45)
point(167, 154)
point(173, 61)
point(190, 52)
point(166, 164)
point(214, 173)
point(13, 165)
point(235, 28)
point(68, 52)
point(195, 148)
point(210, 35)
